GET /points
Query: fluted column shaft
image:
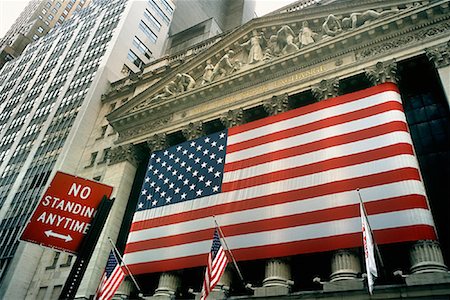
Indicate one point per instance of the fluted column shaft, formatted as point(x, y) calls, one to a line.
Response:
point(426, 256)
point(345, 264)
point(278, 273)
point(168, 284)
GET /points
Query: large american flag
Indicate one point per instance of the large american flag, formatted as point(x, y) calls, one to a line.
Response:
point(284, 185)
point(111, 279)
point(215, 266)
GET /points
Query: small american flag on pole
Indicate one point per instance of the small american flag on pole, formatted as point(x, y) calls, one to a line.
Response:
point(111, 280)
point(217, 262)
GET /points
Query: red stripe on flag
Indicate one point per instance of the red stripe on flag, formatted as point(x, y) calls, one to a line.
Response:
point(385, 236)
point(337, 140)
point(326, 165)
point(316, 106)
point(321, 124)
point(273, 199)
point(318, 216)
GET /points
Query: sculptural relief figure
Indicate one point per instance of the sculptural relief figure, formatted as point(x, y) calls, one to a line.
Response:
point(358, 19)
point(184, 82)
point(207, 74)
point(255, 45)
point(285, 40)
point(272, 45)
point(331, 26)
point(170, 89)
point(224, 66)
point(306, 36)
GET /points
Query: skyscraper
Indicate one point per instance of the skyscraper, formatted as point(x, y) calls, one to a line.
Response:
point(50, 96)
point(37, 19)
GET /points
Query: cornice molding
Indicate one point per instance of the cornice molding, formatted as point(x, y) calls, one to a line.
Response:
point(366, 43)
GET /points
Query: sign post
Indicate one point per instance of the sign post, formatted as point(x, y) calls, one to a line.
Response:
point(87, 248)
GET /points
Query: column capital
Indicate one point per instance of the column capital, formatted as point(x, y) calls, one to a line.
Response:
point(157, 142)
point(327, 88)
point(439, 55)
point(383, 72)
point(193, 130)
point(124, 153)
point(233, 118)
point(276, 104)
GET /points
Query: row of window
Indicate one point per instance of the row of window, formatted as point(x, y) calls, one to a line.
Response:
point(159, 11)
point(147, 31)
point(141, 47)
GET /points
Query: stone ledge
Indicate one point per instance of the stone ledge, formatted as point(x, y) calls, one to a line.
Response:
point(343, 285)
point(427, 278)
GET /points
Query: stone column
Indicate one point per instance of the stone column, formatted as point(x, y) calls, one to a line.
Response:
point(327, 88)
point(440, 56)
point(168, 285)
point(427, 264)
point(383, 72)
point(426, 256)
point(193, 130)
point(125, 289)
point(233, 118)
point(344, 265)
point(276, 104)
point(277, 279)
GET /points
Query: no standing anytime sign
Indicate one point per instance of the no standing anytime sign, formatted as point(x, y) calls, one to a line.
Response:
point(65, 212)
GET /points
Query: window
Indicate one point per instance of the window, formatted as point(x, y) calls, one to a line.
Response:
point(148, 32)
point(58, 5)
point(40, 17)
point(167, 6)
point(61, 18)
point(44, 11)
point(92, 160)
point(142, 48)
point(68, 261)
point(48, 4)
point(47, 23)
point(102, 132)
point(134, 59)
point(40, 29)
point(50, 17)
point(159, 11)
point(35, 37)
point(54, 10)
point(97, 178)
point(55, 261)
point(65, 12)
point(57, 289)
point(152, 19)
point(105, 155)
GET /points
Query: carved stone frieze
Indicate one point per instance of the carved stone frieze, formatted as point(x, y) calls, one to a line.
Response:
point(193, 130)
point(124, 153)
point(439, 55)
point(233, 118)
point(327, 88)
point(141, 129)
point(383, 72)
point(157, 142)
point(276, 104)
point(403, 40)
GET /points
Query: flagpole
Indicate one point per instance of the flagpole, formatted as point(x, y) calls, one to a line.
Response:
point(231, 253)
point(370, 229)
point(115, 251)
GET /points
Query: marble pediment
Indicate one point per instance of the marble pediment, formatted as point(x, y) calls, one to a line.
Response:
point(270, 47)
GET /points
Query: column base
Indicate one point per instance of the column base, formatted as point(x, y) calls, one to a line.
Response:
point(343, 285)
point(277, 290)
point(427, 278)
point(214, 295)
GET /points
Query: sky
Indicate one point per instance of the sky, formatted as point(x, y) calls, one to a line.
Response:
point(11, 9)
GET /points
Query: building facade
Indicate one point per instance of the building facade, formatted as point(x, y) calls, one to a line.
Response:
point(49, 103)
point(37, 19)
point(326, 50)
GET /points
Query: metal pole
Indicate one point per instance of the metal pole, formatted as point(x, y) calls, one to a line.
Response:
point(86, 249)
point(115, 251)
point(228, 249)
